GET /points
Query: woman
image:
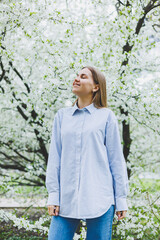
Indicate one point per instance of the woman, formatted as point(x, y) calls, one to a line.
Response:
point(86, 175)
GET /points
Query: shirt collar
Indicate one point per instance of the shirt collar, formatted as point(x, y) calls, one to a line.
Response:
point(90, 108)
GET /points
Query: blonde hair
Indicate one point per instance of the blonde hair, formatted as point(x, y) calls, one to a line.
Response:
point(100, 96)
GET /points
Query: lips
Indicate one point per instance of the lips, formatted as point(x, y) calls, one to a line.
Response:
point(76, 84)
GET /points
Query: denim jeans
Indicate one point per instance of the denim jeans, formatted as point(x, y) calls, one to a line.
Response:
point(99, 228)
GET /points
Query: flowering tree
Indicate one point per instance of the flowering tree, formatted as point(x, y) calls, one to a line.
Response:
point(43, 45)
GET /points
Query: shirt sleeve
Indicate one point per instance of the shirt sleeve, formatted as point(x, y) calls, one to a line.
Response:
point(53, 165)
point(117, 163)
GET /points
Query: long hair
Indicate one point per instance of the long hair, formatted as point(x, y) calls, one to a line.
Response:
point(99, 97)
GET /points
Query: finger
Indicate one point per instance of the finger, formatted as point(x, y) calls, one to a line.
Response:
point(57, 210)
point(123, 214)
point(118, 213)
point(51, 210)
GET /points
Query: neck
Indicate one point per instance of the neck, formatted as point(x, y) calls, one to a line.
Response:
point(83, 102)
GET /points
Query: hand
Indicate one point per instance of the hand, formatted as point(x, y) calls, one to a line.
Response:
point(121, 214)
point(53, 210)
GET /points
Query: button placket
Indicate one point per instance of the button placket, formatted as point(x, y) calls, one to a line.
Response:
point(80, 123)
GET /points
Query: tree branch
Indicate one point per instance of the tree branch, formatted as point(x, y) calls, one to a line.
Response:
point(9, 166)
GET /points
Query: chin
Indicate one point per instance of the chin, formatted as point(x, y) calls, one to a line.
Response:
point(74, 91)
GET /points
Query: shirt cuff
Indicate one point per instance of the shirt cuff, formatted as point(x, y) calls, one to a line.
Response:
point(53, 199)
point(121, 204)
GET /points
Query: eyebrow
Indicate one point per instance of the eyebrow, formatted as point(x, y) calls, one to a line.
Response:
point(82, 74)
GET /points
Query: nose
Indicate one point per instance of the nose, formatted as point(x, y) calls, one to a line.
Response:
point(76, 80)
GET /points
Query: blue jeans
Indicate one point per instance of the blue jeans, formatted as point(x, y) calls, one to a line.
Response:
point(99, 228)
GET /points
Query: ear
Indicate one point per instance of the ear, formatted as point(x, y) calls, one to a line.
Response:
point(96, 87)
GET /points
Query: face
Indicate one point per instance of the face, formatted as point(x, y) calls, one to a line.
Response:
point(83, 84)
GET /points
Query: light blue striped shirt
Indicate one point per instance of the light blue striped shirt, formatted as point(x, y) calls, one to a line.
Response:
point(86, 170)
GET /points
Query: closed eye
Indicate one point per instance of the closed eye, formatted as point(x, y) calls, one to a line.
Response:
point(82, 75)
